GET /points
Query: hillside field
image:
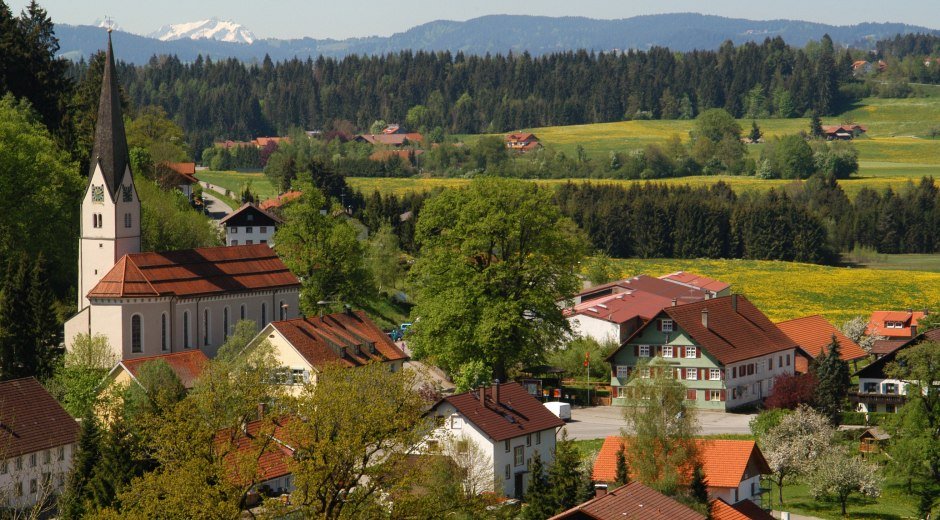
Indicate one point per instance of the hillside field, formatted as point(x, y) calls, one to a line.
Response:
point(786, 290)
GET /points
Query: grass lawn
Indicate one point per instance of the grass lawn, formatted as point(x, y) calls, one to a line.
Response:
point(233, 181)
point(588, 449)
point(786, 290)
point(892, 504)
point(907, 262)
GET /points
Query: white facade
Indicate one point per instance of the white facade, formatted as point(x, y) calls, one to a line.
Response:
point(248, 235)
point(36, 476)
point(753, 379)
point(171, 324)
point(886, 387)
point(602, 331)
point(510, 459)
point(748, 489)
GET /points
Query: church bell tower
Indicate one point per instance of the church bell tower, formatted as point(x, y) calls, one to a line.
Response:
point(110, 220)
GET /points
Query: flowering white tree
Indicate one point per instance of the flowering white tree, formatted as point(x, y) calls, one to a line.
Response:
point(792, 446)
point(855, 330)
point(838, 473)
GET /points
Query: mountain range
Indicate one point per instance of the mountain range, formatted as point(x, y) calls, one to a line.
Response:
point(488, 34)
point(211, 29)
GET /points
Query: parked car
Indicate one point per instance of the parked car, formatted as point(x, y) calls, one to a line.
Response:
point(562, 410)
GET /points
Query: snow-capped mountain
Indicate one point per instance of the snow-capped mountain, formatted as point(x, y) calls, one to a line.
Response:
point(211, 29)
point(108, 24)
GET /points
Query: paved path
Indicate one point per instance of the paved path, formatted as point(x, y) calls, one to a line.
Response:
point(215, 208)
point(600, 421)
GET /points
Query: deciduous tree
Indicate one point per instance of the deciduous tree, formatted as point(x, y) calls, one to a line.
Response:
point(793, 445)
point(839, 473)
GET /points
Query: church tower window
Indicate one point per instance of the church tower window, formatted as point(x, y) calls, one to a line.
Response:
point(225, 323)
point(205, 327)
point(264, 314)
point(137, 339)
point(163, 338)
point(186, 342)
point(127, 220)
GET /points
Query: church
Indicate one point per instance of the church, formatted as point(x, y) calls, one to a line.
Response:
point(153, 303)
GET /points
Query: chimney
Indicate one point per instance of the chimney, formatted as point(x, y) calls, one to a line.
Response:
point(482, 391)
point(348, 309)
point(705, 318)
point(496, 392)
point(262, 408)
point(909, 310)
point(674, 301)
point(734, 302)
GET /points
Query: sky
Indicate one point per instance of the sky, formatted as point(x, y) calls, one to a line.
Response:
point(349, 18)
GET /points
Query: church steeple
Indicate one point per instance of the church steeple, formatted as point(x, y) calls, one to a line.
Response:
point(110, 150)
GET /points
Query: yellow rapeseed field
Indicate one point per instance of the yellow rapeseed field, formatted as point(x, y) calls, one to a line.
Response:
point(786, 290)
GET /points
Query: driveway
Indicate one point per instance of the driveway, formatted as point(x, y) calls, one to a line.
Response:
point(215, 208)
point(598, 422)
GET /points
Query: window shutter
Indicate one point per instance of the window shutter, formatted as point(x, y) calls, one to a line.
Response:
point(701, 374)
point(708, 396)
point(690, 395)
point(734, 371)
point(659, 350)
point(678, 373)
point(679, 351)
point(636, 351)
point(722, 396)
point(698, 352)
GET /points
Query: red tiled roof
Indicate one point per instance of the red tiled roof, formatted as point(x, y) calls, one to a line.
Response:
point(250, 207)
point(814, 333)
point(732, 334)
point(517, 413)
point(195, 272)
point(384, 139)
point(273, 462)
point(261, 142)
point(723, 460)
point(319, 339)
point(384, 155)
point(743, 510)
point(908, 319)
point(650, 285)
point(631, 502)
point(684, 278)
point(623, 307)
point(182, 168)
point(886, 346)
point(280, 200)
point(521, 137)
point(187, 365)
point(31, 420)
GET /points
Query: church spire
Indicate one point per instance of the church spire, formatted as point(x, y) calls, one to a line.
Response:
point(110, 150)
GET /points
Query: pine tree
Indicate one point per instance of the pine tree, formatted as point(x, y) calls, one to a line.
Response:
point(815, 126)
point(538, 498)
point(115, 467)
point(756, 133)
point(698, 488)
point(43, 323)
point(623, 470)
point(564, 476)
point(14, 320)
point(832, 374)
point(77, 493)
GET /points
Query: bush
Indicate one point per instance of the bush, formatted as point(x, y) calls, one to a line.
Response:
point(853, 418)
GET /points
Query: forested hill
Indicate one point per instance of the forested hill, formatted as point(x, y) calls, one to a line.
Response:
point(499, 34)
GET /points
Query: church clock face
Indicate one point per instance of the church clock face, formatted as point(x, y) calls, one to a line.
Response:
point(97, 194)
point(128, 193)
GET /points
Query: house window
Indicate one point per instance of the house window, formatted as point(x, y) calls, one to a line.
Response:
point(690, 352)
point(644, 351)
point(61, 455)
point(186, 342)
point(4, 468)
point(234, 242)
point(528, 439)
point(621, 392)
point(33, 486)
point(871, 388)
point(667, 325)
point(518, 456)
point(233, 230)
point(19, 463)
point(714, 374)
point(667, 351)
point(508, 471)
point(623, 371)
point(264, 241)
point(691, 373)
point(127, 220)
point(249, 217)
point(264, 229)
point(456, 422)
point(891, 388)
point(780, 361)
point(136, 334)
point(205, 327)
point(225, 324)
point(538, 438)
point(788, 359)
point(714, 395)
point(770, 364)
point(249, 242)
point(47, 457)
point(506, 446)
point(32, 460)
point(299, 376)
point(645, 372)
point(164, 344)
point(248, 229)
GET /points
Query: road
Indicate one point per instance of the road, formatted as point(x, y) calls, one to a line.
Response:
point(215, 208)
point(600, 421)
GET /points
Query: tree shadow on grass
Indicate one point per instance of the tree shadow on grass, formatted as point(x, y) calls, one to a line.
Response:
point(831, 509)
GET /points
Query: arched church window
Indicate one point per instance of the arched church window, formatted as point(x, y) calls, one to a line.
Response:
point(186, 342)
point(127, 220)
point(136, 334)
point(205, 327)
point(264, 314)
point(225, 323)
point(283, 310)
point(163, 338)
point(242, 312)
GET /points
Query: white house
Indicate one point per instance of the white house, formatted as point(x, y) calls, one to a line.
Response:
point(507, 423)
point(879, 392)
point(155, 303)
point(37, 441)
point(249, 225)
point(305, 346)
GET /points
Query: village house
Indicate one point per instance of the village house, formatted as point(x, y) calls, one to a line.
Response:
point(305, 346)
point(280, 200)
point(713, 288)
point(879, 392)
point(272, 472)
point(813, 334)
point(149, 303)
point(506, 423)
point(249, 225)
point(744, 510)
point(615, 310)
point(732, 468)
point(395, 140)
point(186, 173)
point(187, 365)
point(522, 142)
point(633, 501)
point(724, 350)
point(895, 324)
point(843, 132)
point(37, 442)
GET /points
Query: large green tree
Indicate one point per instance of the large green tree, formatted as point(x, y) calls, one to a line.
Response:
point(324, 252)
point(495, 257)
point(832, 381)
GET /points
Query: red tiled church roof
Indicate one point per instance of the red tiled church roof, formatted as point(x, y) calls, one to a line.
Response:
point(723, 460)
point(187, 365)
point(195, 272)
point(31, 420)
point(320, 340)
point(515, 413)
point(814, 333)
point(631, 502)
